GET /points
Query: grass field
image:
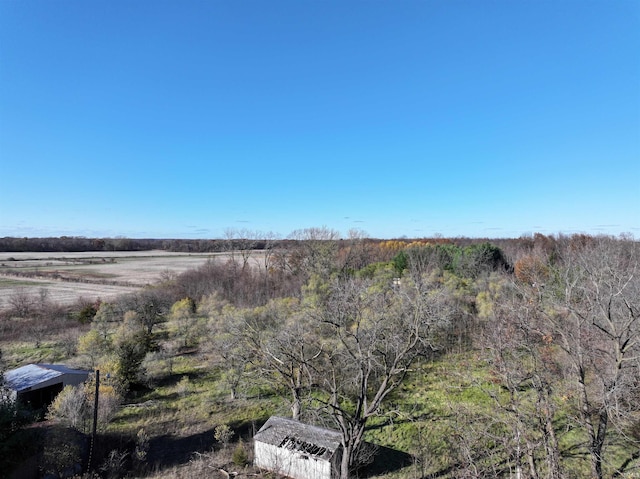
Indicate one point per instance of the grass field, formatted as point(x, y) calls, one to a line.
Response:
point(68, 277)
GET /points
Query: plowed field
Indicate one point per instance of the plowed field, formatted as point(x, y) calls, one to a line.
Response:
point(68, 277)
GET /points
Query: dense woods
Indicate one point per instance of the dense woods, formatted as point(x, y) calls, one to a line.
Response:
point(538, 339)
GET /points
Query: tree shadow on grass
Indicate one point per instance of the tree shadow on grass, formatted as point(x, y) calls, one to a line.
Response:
point(386, 460)
point(174, 378)
point(167, 451)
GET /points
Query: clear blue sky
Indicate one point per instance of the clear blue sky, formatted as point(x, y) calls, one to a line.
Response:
point(183, 119)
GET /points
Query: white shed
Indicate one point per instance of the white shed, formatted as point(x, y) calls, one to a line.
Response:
point(297, 450)
point(37, 385)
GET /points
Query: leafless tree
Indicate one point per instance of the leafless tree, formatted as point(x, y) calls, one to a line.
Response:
point(241, 242)
point(151, 307)
point(316, 252)
point(286, 344)
point(526, 369)
point(247, 242)
point(274, 340)
point(596, 322)
point(22, 303)
point(268, 258)
point(228, 347)
point(355, 252)
point(371, 337)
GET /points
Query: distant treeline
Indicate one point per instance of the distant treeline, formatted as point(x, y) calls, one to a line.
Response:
point(512, 247)
point(71, 244)
point(68, 244)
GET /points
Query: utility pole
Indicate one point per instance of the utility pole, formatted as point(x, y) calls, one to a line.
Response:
point(95, 420)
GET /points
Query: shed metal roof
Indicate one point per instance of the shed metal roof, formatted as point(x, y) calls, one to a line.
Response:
point(31, 375)
point(294, 435)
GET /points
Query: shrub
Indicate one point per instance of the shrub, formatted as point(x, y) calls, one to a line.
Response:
point(74, 405)
point(86, 313)
point(62, 452)
point(240, 456)
point(70, 407)
point(223, 434)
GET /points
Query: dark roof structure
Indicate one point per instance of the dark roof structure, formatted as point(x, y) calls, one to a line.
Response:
point(32, 375)
point(296, 436)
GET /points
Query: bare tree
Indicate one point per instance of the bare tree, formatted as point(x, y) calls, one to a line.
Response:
point(151, 307)
point(241, 242)
point(317, 250)
point(247, 242)
point(229, 348)
point(230, 244)
point(596, 323)
point(22, 303)
point(274, 340)
point(268, 259)
point(371, 337)
point(524, 365)
point(286, 344)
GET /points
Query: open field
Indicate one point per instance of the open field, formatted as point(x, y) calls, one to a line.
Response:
point(67, 277)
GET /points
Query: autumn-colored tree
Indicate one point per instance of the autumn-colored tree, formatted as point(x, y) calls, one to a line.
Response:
point(531, 270)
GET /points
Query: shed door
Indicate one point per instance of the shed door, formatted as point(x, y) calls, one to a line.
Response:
point(40, 399)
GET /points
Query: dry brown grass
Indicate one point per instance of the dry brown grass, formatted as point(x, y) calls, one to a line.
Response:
point(70, 277)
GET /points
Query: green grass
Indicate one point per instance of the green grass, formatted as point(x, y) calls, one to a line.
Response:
point(79, 272)
point(18, 354)
point(15, 283)
point(187, 400)
point(439, 399)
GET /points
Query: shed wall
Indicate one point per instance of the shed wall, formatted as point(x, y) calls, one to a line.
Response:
point(74, 379)
point(291, 463)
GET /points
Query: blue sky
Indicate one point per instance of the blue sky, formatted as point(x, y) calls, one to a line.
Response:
point(184, 119)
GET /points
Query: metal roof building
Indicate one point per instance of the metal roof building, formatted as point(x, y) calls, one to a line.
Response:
point(36, 385)
point(297, 450)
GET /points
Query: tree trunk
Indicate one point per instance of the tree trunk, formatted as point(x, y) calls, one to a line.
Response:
point(598, 443)
point(351, 445)
point(552, 448)
point(344, 465)
point(531, 460)
point(545, 415)
point(596, 460)
point(297, 404)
